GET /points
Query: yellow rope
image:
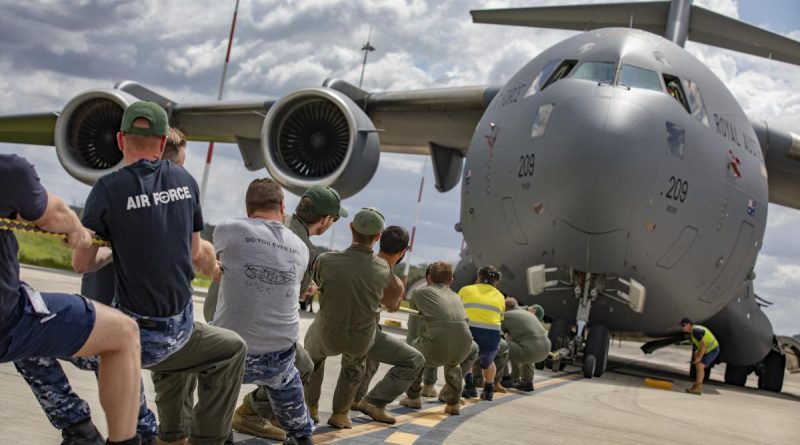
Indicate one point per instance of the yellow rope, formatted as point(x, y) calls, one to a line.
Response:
point(25, 227)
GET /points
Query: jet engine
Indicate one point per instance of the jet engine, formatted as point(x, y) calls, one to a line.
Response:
point(320, 136)
point(86, 133)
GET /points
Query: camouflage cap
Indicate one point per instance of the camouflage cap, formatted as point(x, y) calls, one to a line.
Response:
point(325, 201)
point(368, 221)
point(159, 124)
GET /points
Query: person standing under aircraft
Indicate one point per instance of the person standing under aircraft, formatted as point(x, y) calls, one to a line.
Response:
point(705, 351)
point(445, 338)
point(264, 264)
point(351, 284)
point(484, 305)
point(406, 361)
point(34, 324)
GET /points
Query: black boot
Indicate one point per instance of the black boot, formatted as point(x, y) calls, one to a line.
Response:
point(488, 392)
point(524, 386)
point(305, 440)
point(84, 433)
point(507, 381)
point(469, 390)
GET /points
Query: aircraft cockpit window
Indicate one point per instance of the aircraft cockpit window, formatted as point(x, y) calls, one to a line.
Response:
point(596, 71)
point(635, 77)
point(561, 72)
point(541, 78)
point(675, 89)
point(696, 102)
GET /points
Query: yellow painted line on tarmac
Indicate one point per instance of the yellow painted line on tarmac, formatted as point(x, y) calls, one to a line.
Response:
point(400, 438)
point(426, 416)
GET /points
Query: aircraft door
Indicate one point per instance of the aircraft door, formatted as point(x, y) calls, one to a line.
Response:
point(512, 223)
point(730, 264)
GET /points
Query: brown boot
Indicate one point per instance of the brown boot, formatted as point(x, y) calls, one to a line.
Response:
point(453, 410)
point(428, 391)
point(499, 388)
point(377, 413)
point(341, 421)
point(411, 403)
point(313, 412)
point(696, 389)
point(354, 406)
point(246, 421)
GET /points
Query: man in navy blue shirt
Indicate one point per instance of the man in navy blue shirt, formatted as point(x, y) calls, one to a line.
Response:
point(34, 324)
point(150, 212)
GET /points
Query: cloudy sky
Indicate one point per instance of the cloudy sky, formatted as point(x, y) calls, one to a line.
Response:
point(51, 50)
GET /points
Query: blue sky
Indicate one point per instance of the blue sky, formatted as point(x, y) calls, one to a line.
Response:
point(51, 51)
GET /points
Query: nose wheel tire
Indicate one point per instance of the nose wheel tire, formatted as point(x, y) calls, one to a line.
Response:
point(597, 345)
point(772, 377)
point(589, 364)
point(736, 375)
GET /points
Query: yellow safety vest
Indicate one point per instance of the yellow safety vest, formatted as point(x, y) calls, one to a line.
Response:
point(708, 339)
point(484, 305)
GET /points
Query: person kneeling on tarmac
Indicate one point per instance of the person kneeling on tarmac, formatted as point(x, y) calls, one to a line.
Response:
point(527, 343)
point(706, 350)
point(444, 339)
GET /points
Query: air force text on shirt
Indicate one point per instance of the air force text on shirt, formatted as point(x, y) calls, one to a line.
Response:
point(157, 198)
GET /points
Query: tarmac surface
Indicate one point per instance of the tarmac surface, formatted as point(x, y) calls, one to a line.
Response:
point(565, 408)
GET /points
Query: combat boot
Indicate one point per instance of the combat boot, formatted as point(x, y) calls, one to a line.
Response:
point(507, 381)
point(340, 420)
point(377, 413)
point(469, 390)
point(411, 403)
point(428, 391)
point(247, 421)
point(443, 397)
point(696, 389)
point(354, 406)
point(488, 392)
point(84, 433)
point(313, 412)
point(524, 386)
point(453, 410)
point(500, 388)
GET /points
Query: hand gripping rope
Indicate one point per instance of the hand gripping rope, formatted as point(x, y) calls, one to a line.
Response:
point(26, 227)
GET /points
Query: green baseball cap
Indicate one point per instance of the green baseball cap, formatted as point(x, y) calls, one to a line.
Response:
point(159, 124)
point(325, 201)
point(538, 310)
point(368, 221)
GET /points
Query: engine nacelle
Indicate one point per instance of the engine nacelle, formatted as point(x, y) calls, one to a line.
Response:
point(86, 133)
point(320, 136)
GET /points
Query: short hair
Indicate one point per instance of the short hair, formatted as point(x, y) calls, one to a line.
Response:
point(263, 195)
point(428, 270)
point(176, 141)
point(441, 272)
point(394, 239)
point(303, 211)
point(488, 275)
point(511, 303)
point(360, 238)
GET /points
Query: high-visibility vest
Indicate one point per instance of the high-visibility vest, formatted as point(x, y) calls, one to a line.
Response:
point(708, 339)
point(484, 305)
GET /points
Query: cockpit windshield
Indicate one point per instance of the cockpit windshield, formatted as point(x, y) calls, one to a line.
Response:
point(596, 71)
point(635, 77)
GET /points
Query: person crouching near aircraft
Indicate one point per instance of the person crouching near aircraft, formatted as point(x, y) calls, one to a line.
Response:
point(406, 361)
point(706, 350)
point(264, 264)
point(445, 338)
point(484, 305)
point(351, 284)
point(527, 343)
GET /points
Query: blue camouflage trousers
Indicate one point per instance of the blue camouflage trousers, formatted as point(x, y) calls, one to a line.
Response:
point(159, 337)
point(276, 371)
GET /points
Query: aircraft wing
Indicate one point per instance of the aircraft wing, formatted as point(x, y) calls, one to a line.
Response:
point(35, 129)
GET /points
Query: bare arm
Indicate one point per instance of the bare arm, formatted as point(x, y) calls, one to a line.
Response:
point(701, 351)
point(59, 218)
point(393, 293)
point(91, 258)
point(203, 257)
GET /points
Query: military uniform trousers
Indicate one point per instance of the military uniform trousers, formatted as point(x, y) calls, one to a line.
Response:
point(406, 364)
point(524, 353)
point(448, 344)
point(326, 338)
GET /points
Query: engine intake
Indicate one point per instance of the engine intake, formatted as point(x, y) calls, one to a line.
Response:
point(86, 133)
point(320, 136)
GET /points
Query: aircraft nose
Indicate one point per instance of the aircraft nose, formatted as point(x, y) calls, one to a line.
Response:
point(602, 162)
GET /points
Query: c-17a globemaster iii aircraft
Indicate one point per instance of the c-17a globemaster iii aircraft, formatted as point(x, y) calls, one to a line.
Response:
point(614, 179)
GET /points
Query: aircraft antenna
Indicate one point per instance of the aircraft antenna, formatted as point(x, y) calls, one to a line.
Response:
point(416, 218)
point(210, 153)
point(367, 48)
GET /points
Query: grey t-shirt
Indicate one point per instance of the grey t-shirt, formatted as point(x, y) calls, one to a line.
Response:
point(264, 263)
